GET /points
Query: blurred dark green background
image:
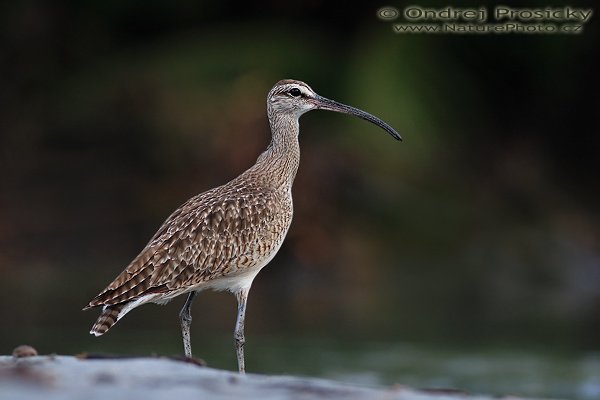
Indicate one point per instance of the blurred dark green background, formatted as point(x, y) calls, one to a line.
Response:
point(481, 228)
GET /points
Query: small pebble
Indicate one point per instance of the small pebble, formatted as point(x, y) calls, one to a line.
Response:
point(24, 351)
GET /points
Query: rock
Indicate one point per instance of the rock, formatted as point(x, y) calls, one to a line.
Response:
point(67, 377)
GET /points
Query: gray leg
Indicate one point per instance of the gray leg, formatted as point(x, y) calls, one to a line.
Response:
point(185, 315)
point(242, 297)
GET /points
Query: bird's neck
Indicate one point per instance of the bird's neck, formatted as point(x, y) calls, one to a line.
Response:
point(278, 164)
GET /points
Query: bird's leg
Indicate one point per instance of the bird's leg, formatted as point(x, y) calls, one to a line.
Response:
point(185, 315)
point(242, 297)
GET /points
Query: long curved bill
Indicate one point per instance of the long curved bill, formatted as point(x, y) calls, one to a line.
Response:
point(324, 103)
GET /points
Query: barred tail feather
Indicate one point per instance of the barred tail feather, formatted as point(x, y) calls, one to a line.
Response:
point(109, 316)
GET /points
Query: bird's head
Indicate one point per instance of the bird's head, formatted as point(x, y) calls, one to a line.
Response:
point(294, 98)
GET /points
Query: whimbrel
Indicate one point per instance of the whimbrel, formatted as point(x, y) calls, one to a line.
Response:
point(222, 238)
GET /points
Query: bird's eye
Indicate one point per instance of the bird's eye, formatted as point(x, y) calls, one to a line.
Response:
point(295, 92)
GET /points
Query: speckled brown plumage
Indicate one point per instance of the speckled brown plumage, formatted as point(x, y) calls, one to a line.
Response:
point(220, 239)
point(217, 233)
